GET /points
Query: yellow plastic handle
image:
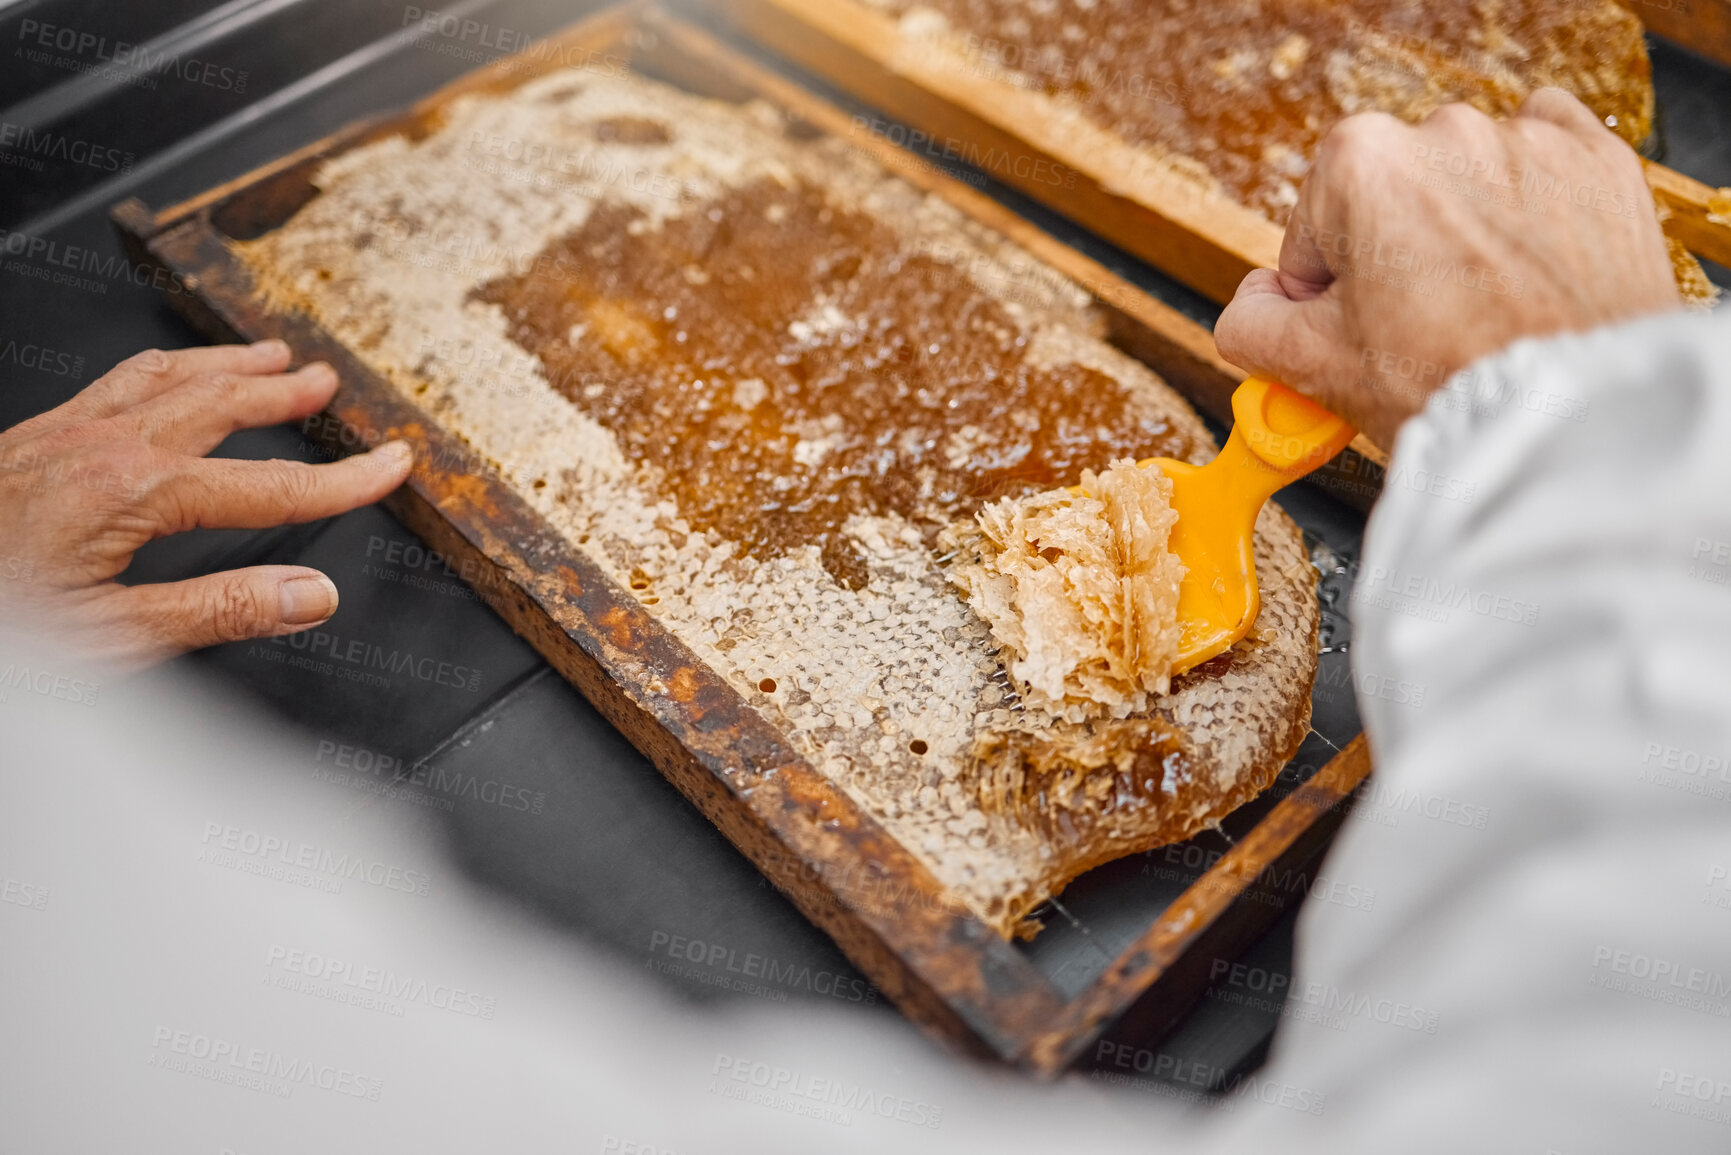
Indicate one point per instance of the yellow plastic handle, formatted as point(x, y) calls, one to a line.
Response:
point(1292, 434)
point(1277, 438)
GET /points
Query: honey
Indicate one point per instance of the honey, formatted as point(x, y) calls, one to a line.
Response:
point(1248, 88)
point(631, 130)
point(1070, 781)
point(781, 364)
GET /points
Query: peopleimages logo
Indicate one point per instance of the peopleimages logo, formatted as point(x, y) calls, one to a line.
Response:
point(343, 980)
point(61, 687)
point(1662, 970)
point(1171, 1069)
point(20, 893)
point(1526, 184)
point(1699, 1087)
point(452, 27)
point(1383, 803)
point(26, 147)
point(1693, 1095)
point(1663, 980)
point(1711, 561)
point(1341, 676)
point(1686, 761)
point(364, 764)
point(305, 863)
point(1186, 861)
point(356, 658)
point(592, 170)
point(259, 1068)
point(725, 961)
point(463, 38)
point(1366, 258)
point(1020, 165)
point(1703, 773)
point(394, 560)
point(1269, 989)
point(1048, 64)
point(801, 1094)
point(1397, 587)
point(28, 355)
point(55, 263)
point(1718, 887)
point(83, 51)
point(1486, 393)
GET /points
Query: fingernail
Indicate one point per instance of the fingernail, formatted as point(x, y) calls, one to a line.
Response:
point(270, 345)
point(393, 452)
point(318, 369)
point(307, 600)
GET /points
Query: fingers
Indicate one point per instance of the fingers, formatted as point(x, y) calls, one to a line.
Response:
point(194, 416)
point(158, 621)
point(1458, 118)
point(1563, 110)
point(1305, 270)
point(227, 494)
point(1267, 332)
point(153, 372)
point(1350, 170)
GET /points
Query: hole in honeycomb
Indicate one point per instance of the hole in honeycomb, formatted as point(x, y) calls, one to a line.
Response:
point(918, 746)
point(767, 685)
point(325, 274)
point(639, 580)
point(540, 483)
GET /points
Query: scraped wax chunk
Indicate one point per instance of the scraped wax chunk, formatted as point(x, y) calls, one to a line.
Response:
point(1081, 591)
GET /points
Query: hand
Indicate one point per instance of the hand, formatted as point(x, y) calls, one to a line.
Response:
point(83, 486)
point(1415, 250)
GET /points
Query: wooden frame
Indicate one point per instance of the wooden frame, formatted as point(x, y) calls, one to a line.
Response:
point(947, 971)
point(1208, 242)
point(1702, 26)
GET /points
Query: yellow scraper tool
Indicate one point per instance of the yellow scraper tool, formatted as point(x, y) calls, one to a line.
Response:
point(1277, 438)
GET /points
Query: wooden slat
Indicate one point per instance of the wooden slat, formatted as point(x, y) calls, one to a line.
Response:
point(1205, 240)
point(1700, 214)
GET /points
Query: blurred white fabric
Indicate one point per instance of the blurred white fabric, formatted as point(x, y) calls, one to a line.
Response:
point(1542, 625)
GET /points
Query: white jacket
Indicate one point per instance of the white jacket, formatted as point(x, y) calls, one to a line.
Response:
point(1543, 654)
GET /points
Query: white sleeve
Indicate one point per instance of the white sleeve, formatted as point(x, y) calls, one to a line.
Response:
point(1542, 628)
point(1542, 650)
